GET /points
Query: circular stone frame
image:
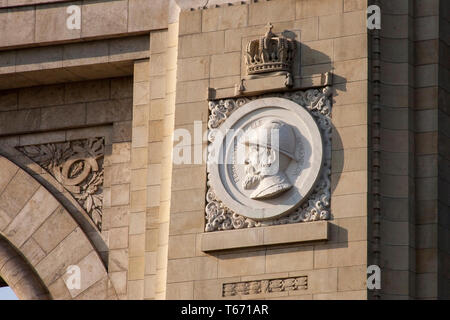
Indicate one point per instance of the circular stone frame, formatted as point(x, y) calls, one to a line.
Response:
point(223, 181)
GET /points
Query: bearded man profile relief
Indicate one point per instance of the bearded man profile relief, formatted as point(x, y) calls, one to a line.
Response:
point(271, 147)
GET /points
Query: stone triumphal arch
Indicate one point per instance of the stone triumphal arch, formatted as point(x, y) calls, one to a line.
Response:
point(99, 97)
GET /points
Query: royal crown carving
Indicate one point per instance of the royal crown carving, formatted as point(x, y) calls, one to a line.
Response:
point(270, 53)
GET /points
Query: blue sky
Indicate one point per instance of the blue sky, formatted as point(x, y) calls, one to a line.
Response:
point(7, 294)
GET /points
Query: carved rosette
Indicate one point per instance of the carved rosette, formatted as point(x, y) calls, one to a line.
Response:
point(317, 206)
point(78, 166)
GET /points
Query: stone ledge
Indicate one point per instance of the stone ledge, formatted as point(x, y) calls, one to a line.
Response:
point(265, 236)
point(270, 83)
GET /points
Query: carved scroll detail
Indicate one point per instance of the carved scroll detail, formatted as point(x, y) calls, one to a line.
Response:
point(78, 166)
point(264, 286)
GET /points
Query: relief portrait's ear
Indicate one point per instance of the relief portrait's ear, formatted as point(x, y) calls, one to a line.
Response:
point(272, 162)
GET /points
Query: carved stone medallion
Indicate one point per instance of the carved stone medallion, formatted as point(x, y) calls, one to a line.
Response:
point(253, 182)
point(265, 158)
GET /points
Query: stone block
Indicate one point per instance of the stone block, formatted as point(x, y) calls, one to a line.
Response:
point(426, 28)
point(358, 43)
point(188, 200)
point(227, 64)
point(100, 18)
point(122, 87)
point(141, 92)
point(31, 216)
point(426, 8)
point(190, 112)
point(427, 260)
point(59, 291)
point(182, 246)
point(8, 171)
point(136, 268)
point(7, 61)
point(139, 158)
point(427, 75)
point(63, 116)
point(137, 222)
point(8, 100)
point(241, 264)
point(118, 238)
point(68, 252)
point(92, 271)
point(274, 11)
point(121, 131)
point(188, 178)
point(354, 5)
point(352, 229)
point(309, 29)
point(54, 229)
point(118, 216)
point(118, 260)
point(119, 281)
point(180, 291)
point(426, 120)
point(85, 54)
point(18, 26)
point(147, 15)
point(426, 52)
point(87, 91)
point(349, 160)
point(340, 255)
point(190, 22)
point(223, 18)
point(317, 52)
point(395, 186)
point(20, 121)
point(350, 70)
point(136, 246)
point(51, 23)
point(187, 222)
point(312, 8)
point(349, 115)
point(201, 44)
point(150, 262)
point(31, 250)
point(191, 91)
point(344, 295)
point(158, 41)
point(136, 290)
point(346, 24)
point(349, 137)
point(349, 182)
point(292, 259)
point(188, 269)
point(18, 192)
point(350, 93)
point(120, 194)
point(193, 68)
point(340, 207)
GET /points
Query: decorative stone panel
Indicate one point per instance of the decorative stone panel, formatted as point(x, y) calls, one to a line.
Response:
point(264, 286)
point(316, 206)
point(78, 166)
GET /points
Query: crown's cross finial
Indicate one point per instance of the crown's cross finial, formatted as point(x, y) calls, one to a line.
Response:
point(269, 27)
